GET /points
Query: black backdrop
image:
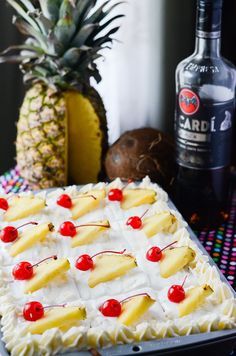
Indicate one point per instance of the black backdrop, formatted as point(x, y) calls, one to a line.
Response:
point(11, 88)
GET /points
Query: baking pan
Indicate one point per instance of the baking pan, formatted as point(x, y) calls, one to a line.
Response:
point(217, 343)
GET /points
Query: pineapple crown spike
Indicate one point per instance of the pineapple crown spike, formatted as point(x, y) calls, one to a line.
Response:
point(64, 40)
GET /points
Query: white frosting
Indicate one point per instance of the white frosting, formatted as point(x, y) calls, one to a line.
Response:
point(161, 319)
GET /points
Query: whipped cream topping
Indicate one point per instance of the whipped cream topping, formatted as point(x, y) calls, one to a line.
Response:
point(72, 288)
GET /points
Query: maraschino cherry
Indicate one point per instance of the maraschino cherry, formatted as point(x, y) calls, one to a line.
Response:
point(67, 228)
point(66, 201)
point(10, 233)
point(34, 311)
point(3, 204)
point(154, 254)
point(135, 221)
point(113, 308)
point(176, 292)
point(116, 194)
point(85, 262)
point(25, 270)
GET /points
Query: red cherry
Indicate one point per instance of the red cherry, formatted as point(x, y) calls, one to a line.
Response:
point(176, 293)
point(154, 254)
point(115, 194)
point(135, 222)
point(8, 234)
point(23, 271)
point(3, 204)
point(33, 311)
point(111, 308)
point(65, 201)
point(67, 228)
point(84, 263)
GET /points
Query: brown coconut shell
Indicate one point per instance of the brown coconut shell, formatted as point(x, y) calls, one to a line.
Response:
point(142, 152)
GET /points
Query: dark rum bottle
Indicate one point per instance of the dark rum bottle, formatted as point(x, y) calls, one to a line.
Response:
point(205, 104)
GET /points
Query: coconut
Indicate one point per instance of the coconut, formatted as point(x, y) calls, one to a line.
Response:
point(142, 152)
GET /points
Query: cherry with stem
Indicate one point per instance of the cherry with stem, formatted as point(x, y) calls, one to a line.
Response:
point(154, 254)
point(66, 201)
point(116, 194)
point(10, 233)
point(136, 221)
point(85, 262)
point(34, 311)
point(176, 292)
point(25, 270)
point(67, 228)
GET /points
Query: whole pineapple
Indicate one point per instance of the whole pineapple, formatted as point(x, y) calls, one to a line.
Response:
point(62, 129)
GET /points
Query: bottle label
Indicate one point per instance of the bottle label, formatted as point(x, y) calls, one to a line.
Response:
point(203, 127)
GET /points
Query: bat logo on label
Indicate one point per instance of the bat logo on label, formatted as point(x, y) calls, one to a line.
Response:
point(188, 101)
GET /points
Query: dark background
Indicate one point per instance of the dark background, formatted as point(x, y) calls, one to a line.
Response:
point(179, 36)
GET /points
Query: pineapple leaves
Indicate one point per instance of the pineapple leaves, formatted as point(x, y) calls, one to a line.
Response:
point(23, 14)
point(50, 9)
point(65, 27)
point(83, 34)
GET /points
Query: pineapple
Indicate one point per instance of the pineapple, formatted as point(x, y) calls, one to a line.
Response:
point(194, 298)
point(21, 207)
point(174, 259)
point(57, 318)
point(88, 234)
point(134, 308)
point(84, 205)
point(45, 273)
point(136, 197)
point(158, 223)
point(62, 128)
point(110, 266)
point(30, 237)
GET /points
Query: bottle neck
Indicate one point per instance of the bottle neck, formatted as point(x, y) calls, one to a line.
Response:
point(208, 30)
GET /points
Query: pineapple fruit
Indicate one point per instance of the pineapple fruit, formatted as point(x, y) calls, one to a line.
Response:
point(45, 273)
point(21, 207)
point(194, 298)
point(62, 128)
point(174, 259)
point(88, 234)
point(87, 203)
point(30, 237)
point(110, 266)
point(160, 222)
point(134, 308)
point(136, 197)
point(57, 318)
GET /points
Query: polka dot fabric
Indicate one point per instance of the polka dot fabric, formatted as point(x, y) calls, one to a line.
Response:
point(220, 243)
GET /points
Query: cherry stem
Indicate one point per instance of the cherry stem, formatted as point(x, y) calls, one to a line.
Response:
point(164, 248)
point(126, 185)
point(133, 296)
point(145, 212)
point(45, 259)
point(84, 225)
point(85, 196)
point(184, 280)
point(29, 223)
point(115, 252)
point(54, 306)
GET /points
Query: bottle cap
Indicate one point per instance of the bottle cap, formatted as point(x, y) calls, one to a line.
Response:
point(212, 3)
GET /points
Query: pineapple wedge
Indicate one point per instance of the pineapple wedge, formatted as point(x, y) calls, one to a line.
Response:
point(84, 205)
point(134, 308)
point(30, 237)
point(136, 197)
point(87, 234)
point(174, 259)
point(57, 318)
point(110, 266)
point(21, 207)
point(45, 273)
point(157, 223)
point(195, 297)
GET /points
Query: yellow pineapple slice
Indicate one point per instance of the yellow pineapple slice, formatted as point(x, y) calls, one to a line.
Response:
point(136, 197)
point(57, 318)
point(134, 308)
point(21, 207)
point(194, 298)
point(174, 259)
point(30, 237)
point(157, 223)
point(87, 203)
point(110, 266)
point(88, 234)
point(45, 273)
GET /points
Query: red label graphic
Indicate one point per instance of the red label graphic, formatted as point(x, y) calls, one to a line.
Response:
point(188, 101)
